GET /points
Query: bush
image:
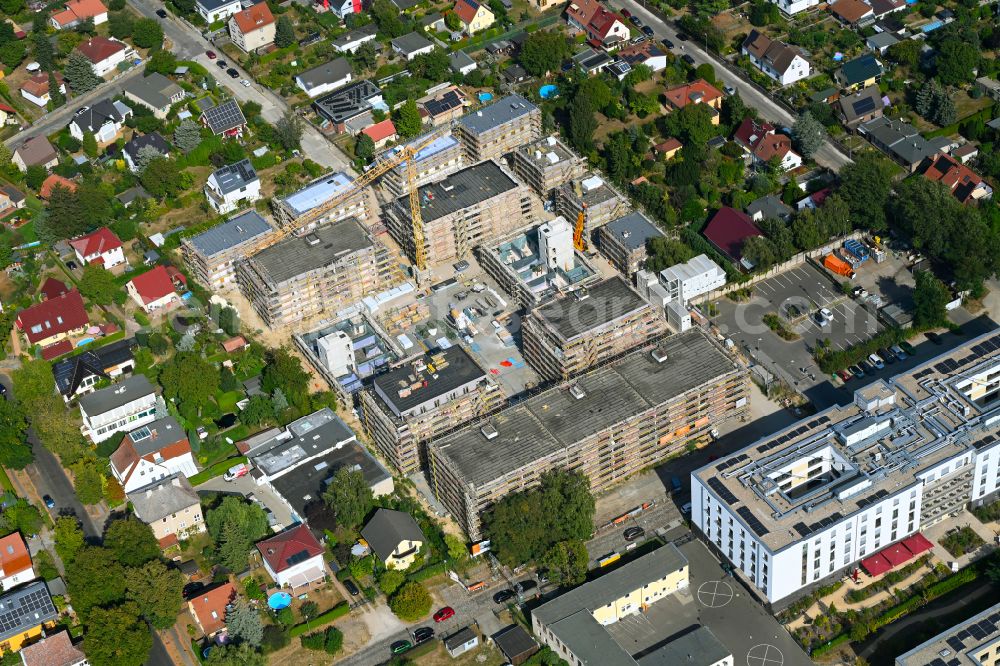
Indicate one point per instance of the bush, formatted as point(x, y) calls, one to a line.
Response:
point(314, 641)
point(411, 602)
point(961, 541)
point(428, 572)
point(275, 638)
point(337, 611)
point(987, 513)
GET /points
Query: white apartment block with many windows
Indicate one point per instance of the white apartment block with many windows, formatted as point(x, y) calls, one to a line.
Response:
point(806, 505)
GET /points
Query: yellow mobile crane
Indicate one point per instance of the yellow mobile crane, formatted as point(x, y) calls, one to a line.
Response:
point(381, 166)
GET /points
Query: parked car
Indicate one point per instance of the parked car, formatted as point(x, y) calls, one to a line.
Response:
point(461, 266)
point(688, 59)
point(844, 375)
point(686, 508)
point(235, 472)
point(49, 502)
point(646, 30)
point(856, 371)
point(636, 21)
point(233, 74)
point(898, 351)
point(543, 575)
point(211, 55)
point(423, 634)
point(445, 613)
point(824, 316)
point(351, 588)
point(526, 585)
point(934, 337)
point(633, 533)
point(400, 646)
point(626, 13)
point(503, 596)
point(876, 360)
point(729, 90)
point(681, 37)
point(222, 64)
point(162, 13)
point(908, 348)
point(867, 368)
point(887, 356)
point(246, 84)
point(667, 43)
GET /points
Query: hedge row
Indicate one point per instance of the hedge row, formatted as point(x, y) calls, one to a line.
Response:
point(428, 572)
point(830, 646)
point(340, 610)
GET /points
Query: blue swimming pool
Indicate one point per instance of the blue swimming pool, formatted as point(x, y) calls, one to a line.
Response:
point(485, 96)
point(279, 600)
point(547, 91)
point(85, 341)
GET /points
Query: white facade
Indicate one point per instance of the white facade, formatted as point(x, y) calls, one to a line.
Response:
point(106, 133)
point(218, 11)
point(108, 259)
point(555, 244)
point(15, 579)
point(138, 412)
point(698, 276)
point(146, 472)
point(798, 69)
point(303, 570)
point(791, 160)
point(111, 63)
point(336, 353)
point(342, 7)
point(791, 7)
point(678, 316)
point(223, 201)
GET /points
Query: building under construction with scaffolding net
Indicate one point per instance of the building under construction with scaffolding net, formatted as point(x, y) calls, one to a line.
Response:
point(608, 424)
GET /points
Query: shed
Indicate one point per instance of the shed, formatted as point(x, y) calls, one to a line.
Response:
point(516, 644)
point(460, 642)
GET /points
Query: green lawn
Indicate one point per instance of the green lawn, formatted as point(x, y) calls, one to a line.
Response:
point(227, 401)
point(217, 469)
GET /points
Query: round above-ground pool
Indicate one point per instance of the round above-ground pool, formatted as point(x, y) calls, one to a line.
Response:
point(279, 600)
point(547, 91)
point(85, 341)
point(485, 96)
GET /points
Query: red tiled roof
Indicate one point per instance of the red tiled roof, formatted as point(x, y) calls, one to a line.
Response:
point(700, 91)
point(277, 550)
point(51, 182)
point(761, 140)
point(960, 179)
point(876, 565)
point(100, 241)
point(14, 556)
point(254, 18)
point(7, 108)
point(57, 349)
point(54, 316)
point(851, 11)
point(728, 230)
point(594, 16)
point(750, 131)
point(668, 146)
point(38, 85)
point(98, 49)
point(125, 458)
point(380, 131)
point(466, 10)
point(234, 344)
point(153, 285)
point(772, 145)
point(214, 600)
point(78, 10)
point(917, 543)
point(53, 650)
point(52, 288)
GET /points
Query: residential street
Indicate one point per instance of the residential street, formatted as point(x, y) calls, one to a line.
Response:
point(827, 155)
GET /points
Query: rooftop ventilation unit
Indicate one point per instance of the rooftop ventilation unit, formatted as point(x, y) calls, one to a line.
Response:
point(312, 240)
point(489, 431)
point(659, 354)
point(577, 392)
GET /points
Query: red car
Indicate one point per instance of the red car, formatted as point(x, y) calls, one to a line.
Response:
point(210, 54)
point(844, 375)
point(445, 613)
point(626, 13)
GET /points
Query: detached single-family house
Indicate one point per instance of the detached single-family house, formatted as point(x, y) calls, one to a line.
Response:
point(76, 11)
point(171, 507)
point(859, 73)
point(433, 22)
point(152, 452)
point(7, 113)
point(209, 608)
point(859, 107)
point(965, 184)
point(155, 92)
point(252, 28)
point(217, 10)
point(101, 247)
point(768, 207)
point(293, 558)
point(11, 199)
point(53, 181)
point(602, 26)
point(763, 144)
point(53, 320)
point(105, 54)
point(155, 289)
point(668, 148)
point(881, 41)
point(35, 150)
point(461, 63)
point(696, 92)
point(394, 537)
point(343, 7)
point(381, 133)
point(411, 45)
point(78, 374)
point(901, 141)
point(226, 119)
point(147, 143)
point(965, 152)
point(792, 7)
point(883, 8)
point(36, 89)
point(474, 16)
point(644, 53)
point(15, 562)
point(123, 406)
point(728, 230)
point(56, 649)
point(852, 12)
point(232, 186)
point(325, 78)
point(23, 626)
point(783, 63)
point(351, 41)
point(105, 120)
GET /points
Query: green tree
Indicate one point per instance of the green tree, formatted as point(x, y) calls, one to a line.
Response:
point(764, 13)
point(411, 602)
point(956, 61)
point(88, 481)
point(120, 24)
point(79, 73)
point(905, 52)
point(90, 145)
point(930, 296)
point(162, 178)
point(865, 186)
point(15, 451)
point(691, 124)
point(244, 624)
point(364, 148)
point(452, 21)
point(35, 176)
point(334, 640)
point(407, 120)
point(234, 655)
point(259, 411)
point(457, 550)
point(349, 497)
point(11, 7)
point(524, 525)
point(69, 538)
point(98, 284)
point(56, 96)
point(156, 590)
point(284, 32)
point(43, 52)
point(116, 636)
point(706, 71)
point(288, 131)
point(761, 252)
point(361, 567)
point(94, 578)
point(52, 423)
point(566, 562)
point(663, 252)
point(391, 580)
point(582, 123)
point(807, 134)
point(147, 34)
point(21, 517)
point(132, 542)
point(544, 51)
point(190, 379)
point(187, 136)
point(161, 62)
point(284, 370)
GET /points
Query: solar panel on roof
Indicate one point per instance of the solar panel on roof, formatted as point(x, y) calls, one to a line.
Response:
point(955, 644)
point(987, 626)
point(752, 521)
point(955, 662)
point(962, 635)
point(724, 493)
point(976, 632)
point(863, 106)
point(801, 528)
point(300, 556)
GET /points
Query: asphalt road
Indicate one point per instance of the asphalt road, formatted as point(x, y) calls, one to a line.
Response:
point(827, 155)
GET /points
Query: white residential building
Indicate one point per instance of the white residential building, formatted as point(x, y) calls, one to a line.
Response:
point(152, 452)
point(698, 276)
point(15, 561)
point(792, 7)
point(123, 406)
point(217, 10)
point(232, 187)
point(105, 120)
point(100, 247)
point(325, 78)
point(853, 485)
point(783, 63)
point(293, 558)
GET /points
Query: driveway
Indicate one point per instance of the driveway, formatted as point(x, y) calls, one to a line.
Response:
point(247, 486)
point(827, 155)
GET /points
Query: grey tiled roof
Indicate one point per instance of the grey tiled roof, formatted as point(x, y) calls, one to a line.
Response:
point(230, 233)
